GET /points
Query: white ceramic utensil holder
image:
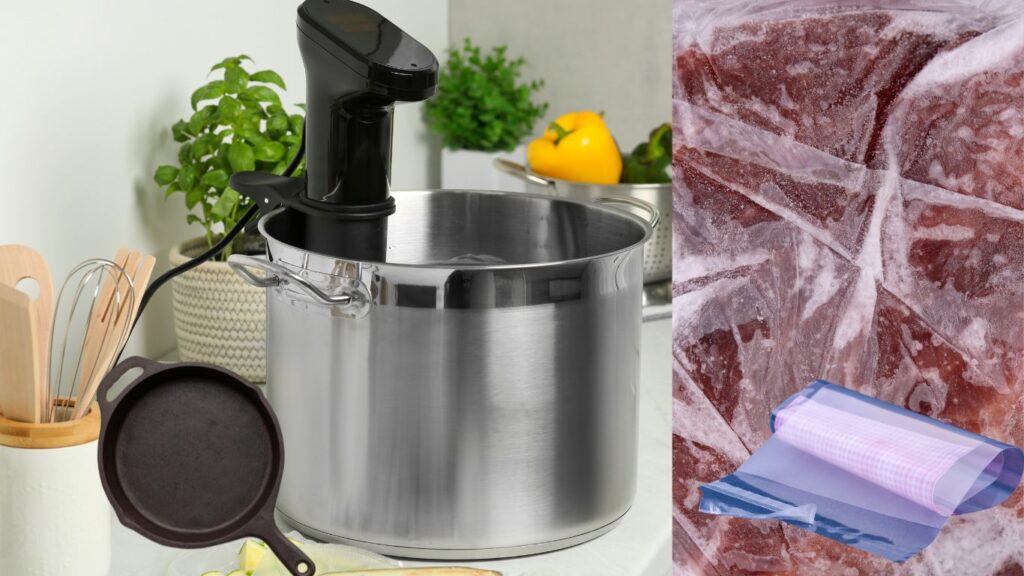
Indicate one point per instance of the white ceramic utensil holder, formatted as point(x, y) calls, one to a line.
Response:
point(54, 515)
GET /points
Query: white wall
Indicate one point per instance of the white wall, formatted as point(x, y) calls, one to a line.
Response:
point(610, 55)
point(88, 91)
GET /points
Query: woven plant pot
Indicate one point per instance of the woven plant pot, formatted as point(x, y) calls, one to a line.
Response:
point(218, 317)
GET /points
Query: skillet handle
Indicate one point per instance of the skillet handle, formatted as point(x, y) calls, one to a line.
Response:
point(294, 560)
point(115, 374)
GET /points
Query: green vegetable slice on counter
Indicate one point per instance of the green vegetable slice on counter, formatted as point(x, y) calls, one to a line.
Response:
point(255, 559)
point(649, 162)
point(250, 555)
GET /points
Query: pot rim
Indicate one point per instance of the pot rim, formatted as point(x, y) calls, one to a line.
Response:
point(645, 226)
point(612, 188)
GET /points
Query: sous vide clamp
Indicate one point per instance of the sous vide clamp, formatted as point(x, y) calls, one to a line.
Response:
point(358, 64)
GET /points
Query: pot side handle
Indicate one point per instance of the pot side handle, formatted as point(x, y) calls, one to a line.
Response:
point(519, 171)
point(276, 275)
point(653, 215)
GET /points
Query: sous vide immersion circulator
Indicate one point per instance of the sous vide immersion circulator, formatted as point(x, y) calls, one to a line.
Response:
point(455, 372)
point(358, 65)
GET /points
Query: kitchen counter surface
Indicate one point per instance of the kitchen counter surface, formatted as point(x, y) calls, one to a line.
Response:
point(639, 546)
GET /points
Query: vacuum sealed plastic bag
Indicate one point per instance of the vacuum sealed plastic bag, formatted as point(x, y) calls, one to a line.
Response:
point(849, 205)
point(865, 473)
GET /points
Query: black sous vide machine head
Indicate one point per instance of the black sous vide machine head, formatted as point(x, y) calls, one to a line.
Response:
point(358, 64)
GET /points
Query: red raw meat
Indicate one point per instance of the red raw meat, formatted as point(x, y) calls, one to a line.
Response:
point(704, 445)
point(848, 205)
point(920, 370)
point(961, 268)
point(842, 211)
point(758, 307)
point(965, 134)
point(737, 547)
point(826, 81)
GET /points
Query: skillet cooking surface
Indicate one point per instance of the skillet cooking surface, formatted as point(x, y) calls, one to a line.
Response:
point(195, 456)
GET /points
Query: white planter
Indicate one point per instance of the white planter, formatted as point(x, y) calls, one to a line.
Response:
point(474, 170)
point(54, 515)
point(218, 317)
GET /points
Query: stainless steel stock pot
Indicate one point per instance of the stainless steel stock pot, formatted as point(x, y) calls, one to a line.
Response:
point(474, 396)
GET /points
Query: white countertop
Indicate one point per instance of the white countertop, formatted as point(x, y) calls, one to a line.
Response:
point(639, 546)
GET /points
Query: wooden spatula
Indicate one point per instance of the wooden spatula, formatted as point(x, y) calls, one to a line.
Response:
point(19, 356)
point(16, 264)
point(114, 313)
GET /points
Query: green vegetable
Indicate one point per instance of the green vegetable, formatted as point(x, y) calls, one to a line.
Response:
point(250, 555)
point(649, 162)
point(480, 103)
point(238, 124)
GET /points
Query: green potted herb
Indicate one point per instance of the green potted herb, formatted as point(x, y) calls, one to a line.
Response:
point(238, 123)
point(482, 109)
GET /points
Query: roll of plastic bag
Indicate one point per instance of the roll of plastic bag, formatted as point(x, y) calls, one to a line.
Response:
point(865, 473)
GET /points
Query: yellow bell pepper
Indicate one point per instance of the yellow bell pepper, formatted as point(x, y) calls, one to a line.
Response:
point(579, 147)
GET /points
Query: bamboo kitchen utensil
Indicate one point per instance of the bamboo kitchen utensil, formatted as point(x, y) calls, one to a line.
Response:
point(19, 356)
point(18, 263)
point(93, 286)
point(139, 268)
point(103, 316)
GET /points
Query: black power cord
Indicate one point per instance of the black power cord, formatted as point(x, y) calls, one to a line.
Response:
point(223, 243)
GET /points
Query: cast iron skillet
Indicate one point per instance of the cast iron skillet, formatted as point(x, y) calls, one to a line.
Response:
point(190, 456)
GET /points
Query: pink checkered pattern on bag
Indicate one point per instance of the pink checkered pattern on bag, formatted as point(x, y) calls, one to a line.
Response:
point(902, 461)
